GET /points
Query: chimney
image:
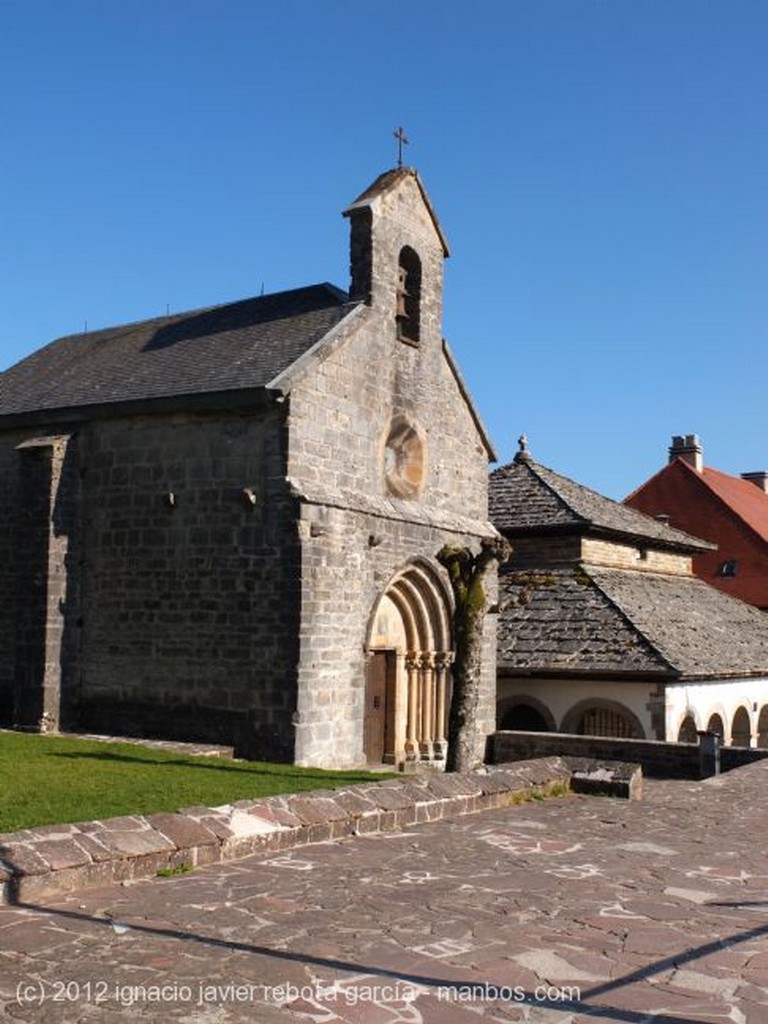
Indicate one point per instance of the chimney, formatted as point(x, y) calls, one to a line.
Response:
point(688, 449)
point(759, 479)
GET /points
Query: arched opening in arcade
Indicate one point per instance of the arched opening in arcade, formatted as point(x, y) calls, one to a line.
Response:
point(687, 733)
point(603, 718)
point(741, 728)
point(525, 714)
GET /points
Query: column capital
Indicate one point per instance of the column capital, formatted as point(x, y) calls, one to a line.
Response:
point(443, 659)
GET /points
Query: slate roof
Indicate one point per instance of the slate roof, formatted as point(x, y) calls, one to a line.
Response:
point(554, 621)
point(236, 346)
point(698, 629)
point(528, 498)
point(586, 620)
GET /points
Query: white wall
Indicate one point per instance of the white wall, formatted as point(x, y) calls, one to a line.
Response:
point(560, 695)
point(717, 696)
point(700, 700)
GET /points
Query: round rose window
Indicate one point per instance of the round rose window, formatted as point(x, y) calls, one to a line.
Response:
point(403, 459)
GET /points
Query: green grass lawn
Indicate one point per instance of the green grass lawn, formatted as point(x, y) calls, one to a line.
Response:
point(50, 780)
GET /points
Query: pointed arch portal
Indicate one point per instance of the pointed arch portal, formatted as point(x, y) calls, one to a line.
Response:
point(409, 651)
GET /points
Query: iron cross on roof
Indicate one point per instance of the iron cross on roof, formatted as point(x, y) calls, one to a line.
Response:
point(401, 138)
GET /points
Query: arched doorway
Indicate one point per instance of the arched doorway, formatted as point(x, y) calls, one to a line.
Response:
point(741, 729)
point(687, 733)
point(409, 652)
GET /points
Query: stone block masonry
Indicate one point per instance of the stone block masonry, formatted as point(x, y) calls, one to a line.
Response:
point(54, 859)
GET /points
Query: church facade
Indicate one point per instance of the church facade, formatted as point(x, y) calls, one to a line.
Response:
point(222, 525)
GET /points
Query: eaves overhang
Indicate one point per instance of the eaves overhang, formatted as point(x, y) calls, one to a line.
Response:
point(613, 675)
point(588, 529)
point(236, 400)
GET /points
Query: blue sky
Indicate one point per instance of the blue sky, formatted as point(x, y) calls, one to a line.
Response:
point(599, 169)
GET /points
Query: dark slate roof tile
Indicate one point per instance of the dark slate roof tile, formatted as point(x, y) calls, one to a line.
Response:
point(236, 346)
point(559, 621)
point(700, 630)
point(526, 496)
point(624, 622)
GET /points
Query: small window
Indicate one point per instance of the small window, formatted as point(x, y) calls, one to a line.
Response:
point(408, 308)
point(729, 568)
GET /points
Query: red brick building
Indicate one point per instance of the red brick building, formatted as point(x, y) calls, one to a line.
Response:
point(729, 511)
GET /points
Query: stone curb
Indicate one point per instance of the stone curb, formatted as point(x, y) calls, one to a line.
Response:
point(56, 859)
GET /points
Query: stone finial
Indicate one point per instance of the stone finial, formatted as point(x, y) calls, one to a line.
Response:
point(523, 455)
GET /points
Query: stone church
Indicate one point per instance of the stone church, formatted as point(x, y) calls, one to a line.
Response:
point(222, 525)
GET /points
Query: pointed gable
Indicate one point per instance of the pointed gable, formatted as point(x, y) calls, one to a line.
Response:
point(386, 183)
point(729, 511)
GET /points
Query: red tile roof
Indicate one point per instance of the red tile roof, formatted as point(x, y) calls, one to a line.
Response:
point(724, 509)
point(742, 497)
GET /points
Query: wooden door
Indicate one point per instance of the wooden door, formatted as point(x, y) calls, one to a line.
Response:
point(378, 721)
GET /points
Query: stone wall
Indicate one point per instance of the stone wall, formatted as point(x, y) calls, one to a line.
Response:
point(592, 551)
point(39, 580)
point(342, 579)
point(628, 556)
point(10, 480)
point(188, 620)
point(658, 759)
point(165, 582)
point(47, 560)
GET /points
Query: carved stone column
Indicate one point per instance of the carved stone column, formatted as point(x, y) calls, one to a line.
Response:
point(443, 661)
point(412, 728)
point(427, 678)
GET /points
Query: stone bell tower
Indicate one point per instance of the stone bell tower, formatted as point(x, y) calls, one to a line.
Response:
point(397, 249)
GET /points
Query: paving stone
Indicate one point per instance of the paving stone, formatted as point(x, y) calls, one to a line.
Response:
point(564, 891)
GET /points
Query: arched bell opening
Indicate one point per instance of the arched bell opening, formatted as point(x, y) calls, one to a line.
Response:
point(409, 651)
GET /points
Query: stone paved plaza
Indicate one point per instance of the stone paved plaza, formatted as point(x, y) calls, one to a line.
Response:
point(566, 910)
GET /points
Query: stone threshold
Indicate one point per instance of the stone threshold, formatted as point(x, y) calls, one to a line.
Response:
point(53, 860)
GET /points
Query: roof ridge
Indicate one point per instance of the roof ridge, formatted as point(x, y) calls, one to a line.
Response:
point(533, 465)
point(198, 310)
